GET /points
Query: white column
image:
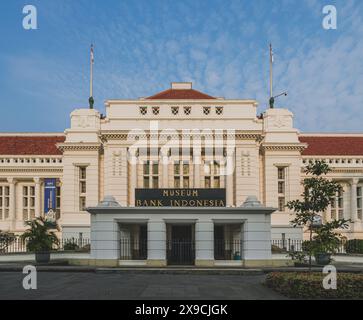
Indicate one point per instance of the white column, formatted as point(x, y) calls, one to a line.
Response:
point(229, 177)
point(165, 163)
point(133, 179)
point(204, 243)
point(12, 199)
point(37, 206)
point(353, 200)
point(156, 238)
point(197, 164)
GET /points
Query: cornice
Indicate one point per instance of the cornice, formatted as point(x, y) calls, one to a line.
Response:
point(32, 169)
point(239, 135)
point(284, 147)
point(78, 146)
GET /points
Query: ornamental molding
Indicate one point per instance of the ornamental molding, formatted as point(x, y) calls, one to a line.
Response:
point(347, 170)
point(33, 169)
point(106, 136)
point(284, 147)
point(71, 146)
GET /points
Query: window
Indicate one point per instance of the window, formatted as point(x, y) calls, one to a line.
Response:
point(4, 202)
point(151, 174)
point(82, 188)
point(359, 203)
point(219, 110)
point(58, 201)
point(281, 183)
point(206, 110)
point(143, 110)
point(174, 110)
point(181, 174)
point(337, 206)
point(212, 177)
point(187, 110)
point(156, 110)
point(28, 202)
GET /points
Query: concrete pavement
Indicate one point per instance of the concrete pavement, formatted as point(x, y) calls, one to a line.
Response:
point(71, 285)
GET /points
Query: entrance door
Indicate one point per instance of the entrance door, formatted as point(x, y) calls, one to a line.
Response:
point(180, 247)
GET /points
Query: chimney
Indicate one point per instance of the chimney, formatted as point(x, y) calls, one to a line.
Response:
point(181, 85)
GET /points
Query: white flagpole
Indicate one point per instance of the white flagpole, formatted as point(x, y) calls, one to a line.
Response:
point(91, 77)
point(271, 62)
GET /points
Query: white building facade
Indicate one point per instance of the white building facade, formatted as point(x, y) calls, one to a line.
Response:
point(180, 166)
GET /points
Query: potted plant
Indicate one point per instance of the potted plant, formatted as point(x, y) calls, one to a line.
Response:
point(327, 240)
point(40, 239)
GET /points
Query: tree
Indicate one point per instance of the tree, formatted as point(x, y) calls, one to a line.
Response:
point(317, 195)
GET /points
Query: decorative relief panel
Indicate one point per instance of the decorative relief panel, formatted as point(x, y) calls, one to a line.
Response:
point(116, 163)
point(245, 163)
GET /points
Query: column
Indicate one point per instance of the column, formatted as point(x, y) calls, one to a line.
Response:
point(37, 206)
point(156, 243)
point(197, 163)
point(353, 200)
point(12, 203)
point(229, 178)
point(165, 163)
point(133, 179)
point(204, 243)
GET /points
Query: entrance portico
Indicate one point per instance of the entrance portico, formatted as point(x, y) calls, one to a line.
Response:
point(183, 235)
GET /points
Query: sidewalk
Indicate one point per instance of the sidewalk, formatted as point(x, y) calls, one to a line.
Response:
point(59, 267)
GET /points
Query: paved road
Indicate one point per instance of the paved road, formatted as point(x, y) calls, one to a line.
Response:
point(73, 285)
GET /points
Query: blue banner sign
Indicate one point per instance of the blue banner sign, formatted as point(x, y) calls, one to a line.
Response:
point(49, 194)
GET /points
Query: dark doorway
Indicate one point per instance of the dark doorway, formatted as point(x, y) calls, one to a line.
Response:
point(219, 242)
point(180, 248)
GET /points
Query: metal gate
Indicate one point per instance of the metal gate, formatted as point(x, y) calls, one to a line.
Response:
point(180, 252)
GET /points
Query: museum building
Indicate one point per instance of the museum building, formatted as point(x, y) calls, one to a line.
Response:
point(179, 177)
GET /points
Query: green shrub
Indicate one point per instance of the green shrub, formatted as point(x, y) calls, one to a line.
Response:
point(354, 246)
point(70, 246)
point(277, 249)
point(305, 285)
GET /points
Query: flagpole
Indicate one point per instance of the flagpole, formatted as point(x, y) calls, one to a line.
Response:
point(271, 79)
point(91, 100)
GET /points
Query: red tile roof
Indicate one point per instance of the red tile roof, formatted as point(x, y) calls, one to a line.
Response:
point(180, 94)
point(30, 145)
point(332, 145)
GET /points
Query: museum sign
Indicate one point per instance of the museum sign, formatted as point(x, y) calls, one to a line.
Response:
point(180, 197)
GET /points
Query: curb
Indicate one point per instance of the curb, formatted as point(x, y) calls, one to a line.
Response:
point(181, 271)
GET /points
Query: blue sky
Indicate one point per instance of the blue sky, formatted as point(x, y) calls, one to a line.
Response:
point(142, 46)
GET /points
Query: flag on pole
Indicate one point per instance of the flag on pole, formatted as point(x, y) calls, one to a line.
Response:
point(271, 54)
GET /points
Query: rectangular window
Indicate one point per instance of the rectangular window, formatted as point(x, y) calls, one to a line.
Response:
point(4, 202)
point(151, 174)
point(82, 188)
point(58, 201)
point(281, 187)
point(181, 174)
point(176, 182)
point(359, 203)
point(216, 182)
point(337, 206)
point(207, 182)
point(212, 171)
point(28, 202)
point(281, 204)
